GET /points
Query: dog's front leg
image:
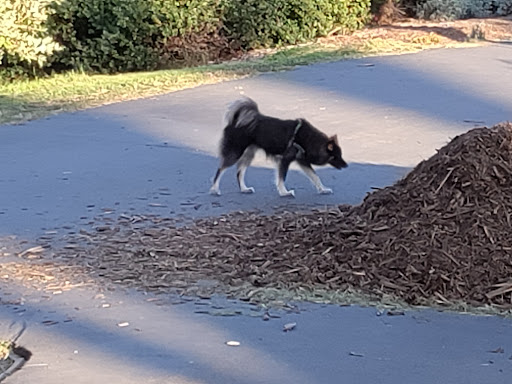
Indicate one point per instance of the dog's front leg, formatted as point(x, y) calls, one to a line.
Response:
point(282, 170)
point(315, 179)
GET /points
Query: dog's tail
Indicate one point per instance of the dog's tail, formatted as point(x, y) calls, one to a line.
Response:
point(242, 112)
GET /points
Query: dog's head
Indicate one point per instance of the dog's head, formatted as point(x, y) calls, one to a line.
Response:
point(334, 151)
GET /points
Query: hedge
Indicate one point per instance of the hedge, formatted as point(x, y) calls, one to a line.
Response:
point(127, 35)
point(257, 23)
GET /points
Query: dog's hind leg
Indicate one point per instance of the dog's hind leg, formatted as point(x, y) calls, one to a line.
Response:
point(214, 190)
point(315, 179)
point(226, 162)
point(242, 166)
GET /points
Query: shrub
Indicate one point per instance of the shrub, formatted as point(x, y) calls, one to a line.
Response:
point(459, 9)
point(126, 35)
point(25, 44)
point(256, 23)
point(103, 35)
point(189, 31)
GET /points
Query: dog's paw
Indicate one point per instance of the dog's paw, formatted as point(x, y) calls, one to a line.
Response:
point(247, 190)
point(214, 191)
point(325, 191)
point(290, 193)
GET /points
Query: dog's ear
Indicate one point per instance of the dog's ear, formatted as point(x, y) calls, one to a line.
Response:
point(333, 140)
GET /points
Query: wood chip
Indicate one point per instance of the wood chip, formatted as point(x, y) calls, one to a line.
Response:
point(123, 324)
point(37, 249)
point(395, 313)
point(289, 327)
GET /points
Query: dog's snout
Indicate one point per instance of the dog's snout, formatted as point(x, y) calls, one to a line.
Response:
point(338, 163)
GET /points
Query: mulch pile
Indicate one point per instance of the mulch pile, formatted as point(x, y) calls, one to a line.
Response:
point(442, 234)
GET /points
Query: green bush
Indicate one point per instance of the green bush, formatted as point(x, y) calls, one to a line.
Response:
point(189, 31)
point(126, 35)
point(256, 23)
point(103, 35)
point(25, 44)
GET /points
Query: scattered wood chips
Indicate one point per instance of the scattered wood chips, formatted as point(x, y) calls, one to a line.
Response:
point(442, 235)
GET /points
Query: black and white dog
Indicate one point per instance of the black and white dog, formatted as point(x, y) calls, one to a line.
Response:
point(247, 130)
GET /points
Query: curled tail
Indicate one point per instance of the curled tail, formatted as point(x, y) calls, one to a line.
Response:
point(242, 112)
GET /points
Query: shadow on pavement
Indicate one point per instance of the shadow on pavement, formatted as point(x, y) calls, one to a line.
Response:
point(450, 86)
point(59, 173)
point(77, 166)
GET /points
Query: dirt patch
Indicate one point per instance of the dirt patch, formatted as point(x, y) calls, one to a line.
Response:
point(439, 236)
point(422, 32)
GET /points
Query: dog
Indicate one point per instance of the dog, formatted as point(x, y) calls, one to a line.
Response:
point(286, 141)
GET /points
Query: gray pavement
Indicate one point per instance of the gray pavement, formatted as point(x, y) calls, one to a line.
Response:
point(158, 156)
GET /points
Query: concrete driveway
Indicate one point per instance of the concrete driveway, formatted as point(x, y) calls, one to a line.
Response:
point(158, 156)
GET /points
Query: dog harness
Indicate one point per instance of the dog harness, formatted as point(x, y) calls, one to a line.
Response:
point(300, 150)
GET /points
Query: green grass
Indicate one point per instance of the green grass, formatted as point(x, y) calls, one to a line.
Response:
point(31, 99)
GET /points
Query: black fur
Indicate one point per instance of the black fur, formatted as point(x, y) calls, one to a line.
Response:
point(285, 140)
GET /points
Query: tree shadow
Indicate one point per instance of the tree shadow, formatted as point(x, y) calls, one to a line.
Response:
point(61, 173)
point(67, 169)
point(437, 84)
point(165, 342)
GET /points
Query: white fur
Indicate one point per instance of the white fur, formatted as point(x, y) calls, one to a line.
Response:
point(249, 111)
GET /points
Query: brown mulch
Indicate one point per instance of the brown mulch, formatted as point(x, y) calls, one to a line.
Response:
point(440, 235)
